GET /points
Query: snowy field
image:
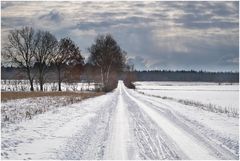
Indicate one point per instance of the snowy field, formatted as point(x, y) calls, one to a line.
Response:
point(222, 96)
point(123, 124)
point(23, 85)
point(14, 111)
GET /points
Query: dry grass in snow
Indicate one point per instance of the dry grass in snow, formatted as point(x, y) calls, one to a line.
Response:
point(18, 106)
point(5, 96)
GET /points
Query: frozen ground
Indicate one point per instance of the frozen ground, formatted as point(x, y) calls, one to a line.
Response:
point(123, 124)
point(224, 96)
point(14, 111)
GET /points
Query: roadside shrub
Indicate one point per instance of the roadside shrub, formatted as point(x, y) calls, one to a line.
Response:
point(129, 84)
point(129, 79)
point(111, 85)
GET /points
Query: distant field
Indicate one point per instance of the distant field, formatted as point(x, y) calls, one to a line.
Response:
point(17, 106)
point(5, 96)
point(18, 103)
point(223, 95)
point(23, 85)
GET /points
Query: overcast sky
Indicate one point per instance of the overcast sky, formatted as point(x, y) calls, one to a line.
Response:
point(156, 35)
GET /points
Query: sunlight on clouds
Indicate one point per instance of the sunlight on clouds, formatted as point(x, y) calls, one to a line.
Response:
point(164, 34)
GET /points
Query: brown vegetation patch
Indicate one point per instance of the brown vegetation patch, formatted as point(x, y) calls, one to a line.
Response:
point(5, 96)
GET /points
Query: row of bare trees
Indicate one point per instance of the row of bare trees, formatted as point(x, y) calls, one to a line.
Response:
point(28, 48)
point(32, 49)
point(109, 58)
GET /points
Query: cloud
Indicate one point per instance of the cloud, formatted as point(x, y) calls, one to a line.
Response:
point(53, 16)
point(156, 35)
point(6, 4)
point(138, 62)
point(204, 21)
point(111, 22)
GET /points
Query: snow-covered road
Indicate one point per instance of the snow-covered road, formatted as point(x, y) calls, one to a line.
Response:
point(123, 124)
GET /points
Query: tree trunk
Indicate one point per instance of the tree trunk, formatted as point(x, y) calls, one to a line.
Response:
point(30, 79)
point(31, 84)
point(41, 87)
point(108, 71)
point(41, 84)
point(59, 78)
point(41, 75)
point(102, 79)
point(59, 86)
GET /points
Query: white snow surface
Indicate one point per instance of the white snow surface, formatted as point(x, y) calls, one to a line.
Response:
point(23, 85)
point(13, 111)
point(225, 95)
point(123, 124)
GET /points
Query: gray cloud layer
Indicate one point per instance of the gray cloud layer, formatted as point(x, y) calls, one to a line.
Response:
point(156, 35)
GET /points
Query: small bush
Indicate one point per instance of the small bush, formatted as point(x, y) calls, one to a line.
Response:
point(110, 86)
point(129, 79)
point(129, 84)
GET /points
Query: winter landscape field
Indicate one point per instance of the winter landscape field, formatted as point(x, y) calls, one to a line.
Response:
point(119, 80)
point(126, 124)
point(218, 96)
point(23, 86)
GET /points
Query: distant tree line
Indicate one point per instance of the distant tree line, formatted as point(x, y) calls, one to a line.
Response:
point(38, 53)
point(201, 76)
point(90, 74)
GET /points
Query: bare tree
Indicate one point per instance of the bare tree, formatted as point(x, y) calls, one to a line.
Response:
point(46, 46)
point(68, 54)
point(107, 55)
point(73, 72)
point(20, 50)
point(90, 73)
point(129, 77)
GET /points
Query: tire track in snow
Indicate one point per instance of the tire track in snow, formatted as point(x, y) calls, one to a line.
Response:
point(151, 145)
point(121, 144)
point(90, 142)
point(224, 148)
point(187, 143)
